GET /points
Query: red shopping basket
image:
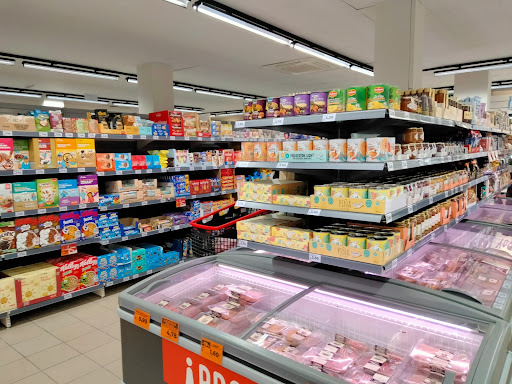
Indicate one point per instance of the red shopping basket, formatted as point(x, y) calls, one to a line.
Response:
point(219, 235)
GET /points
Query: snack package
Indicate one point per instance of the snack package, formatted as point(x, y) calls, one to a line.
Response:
point(88, 189)
point(85, 153)
point(42, 153)
point(190, 123)
point(123, 161)
point(56, 121)
point(27, 233)
point(105, 162)
point(49, 230)
point(42, 120)
point(25, 195)
point(7, 237)
point(47, 193)
point(336, 101)
point(176, 124)
point(70, 227)
point(89, 223)
point(68, 193)
point(356, 99)
point(21, 154)
point(6, 198)
point(66, 153)
point(6, 154)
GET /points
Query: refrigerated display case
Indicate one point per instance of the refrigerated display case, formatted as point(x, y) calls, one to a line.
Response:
point(280, 321)
point(493, 215)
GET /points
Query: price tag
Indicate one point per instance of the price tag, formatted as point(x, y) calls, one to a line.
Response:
point(282, 165)
point(170, 330)
point(119, 172)
point(124, 238)
point(163, 200)
point(17, 172)
point(315, 258)
point(39, 171)
point(22, 254)
point(391, 166)
point(242, 243)
point(407, 115)
point(445, 228)
point(240, 203)
point(81, 135)
point(211, 351)
point(144, 203)
point(63, 209)
point(41, 211)
point(104, 242)
point(149, 171)
point(135, 276)
point(19, 214)
point(389, 217)
point(82, 206)
point(199, 138)
point(138, 171)
point(63, 170)
point(129, 136)
point(329, 117)
point(101, 173)
point(68, 249)
point(81, 169)
point(187, 138)
point(161, 230)
point(143, 137)
point(446, 194)
point(126, 205)
point(391, 113)
point(191, 168)
point(7, 133)
point(68, 296)
point(203, 167)
point(314, 212)
point(125, 279)
point(155, 137)
point(68, 134)
point(109, 283)
point(420, 162)
point(104, 136)
point(43, 134)
point(410, 209)
point(193, 196)
point(278, 121)
point(177, 169)
point(171, 137)
point(239, 124)
point(428, 161)
point(58, 134)
point(144, 234)
point(404, 164)
point(141, 318)
point(100, 208)
point(149, 272)
point(222, 139)
point(430, 200)
point(91, 135)
point(242, 164)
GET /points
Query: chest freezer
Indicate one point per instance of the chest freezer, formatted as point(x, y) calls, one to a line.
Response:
point(281, 321)
point(491, 215)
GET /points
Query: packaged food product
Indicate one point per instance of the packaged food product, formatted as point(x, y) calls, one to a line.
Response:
point(56, 121)
point(331, 362)
point(6, 198)
point(394, 98)
point(290, 145)
point(70, 227)
point(286, 105)
point(378, 96)
point(260, 151)
point(337, 150)
point(336, 101)
point(47, 193)
point(6, 154)
point(247, 151)
point(263, 340)
point(190, 123)
point(24, 195)
point(21, 154)
point(356, 99)
point(42, 120)
point(247, 109)
point(7, 294)
point(272, 107)
point(356, 375)
point(380, 149)
point(273, 149)
point(88, 189)
point(68, 192)
point(356, 150)
point(85, 153)
point(322, 190)
point(258, 109)
point(274, 326)
point(318, 102)
point(433, 359)
point(286, 350)
point(89, 223)
point(357, 240)
point(105, 162)
point(7, 237)
point(27, 233)
point(304, 145)
point(301, 104)
point(66, 153)
point(320, 145)
point(49, 230)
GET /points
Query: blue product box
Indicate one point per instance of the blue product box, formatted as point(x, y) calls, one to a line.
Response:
point(89, 223)
point(129, 230)
point(161, 129)
point(156, 162)
point(107, 260)
point(108, 219)
point(138, 254)
point(123, 161)
point(124, 270)
point(113, 275)
point(103, 275)
point(145, 130)
point(68, 192)
point(149, 161)
point(109, 199)
point(124, 254)
point(170, 257)
point(139, 267)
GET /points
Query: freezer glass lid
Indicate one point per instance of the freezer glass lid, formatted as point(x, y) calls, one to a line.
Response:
point(360, 340)
point(491, 215)
point(223, 297)
point(504, 204)
point(484, 278)
point(479, 237)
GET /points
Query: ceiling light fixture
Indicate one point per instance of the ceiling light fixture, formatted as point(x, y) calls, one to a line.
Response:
point(22, 94)
point(472, 69)
point(501, 86)
point(132, 80)
point(53, 68)
point(362, 70)
point(209, 11)
point(228, 114)
point(320, 55)
point(76, 99)
point(187, 110)
point(7, 61)
point(114, 104)
point(53, 103)
point(218, 94)
point(184, 89)
point(181, 3)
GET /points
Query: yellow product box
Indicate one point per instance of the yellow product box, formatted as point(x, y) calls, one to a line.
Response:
point(7, 294)
point(291, 244)
point(66, 153)
point(42, 153)
point(300, 201)
point(48, 276)
point(281, 199)
point(380, 207)
point(30, 283)
point(291, 233)
point(86, 153)
point(226, 130)
point(254, 237)
point(349, 253)
point(128, 130)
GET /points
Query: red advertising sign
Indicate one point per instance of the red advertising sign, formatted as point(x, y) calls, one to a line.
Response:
point(184, 367)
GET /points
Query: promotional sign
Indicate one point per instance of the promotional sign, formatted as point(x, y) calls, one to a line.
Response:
point(184, 367)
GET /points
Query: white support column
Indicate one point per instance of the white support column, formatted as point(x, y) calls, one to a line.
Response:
point(155, 87)
point(399, 43)
point(473, 84)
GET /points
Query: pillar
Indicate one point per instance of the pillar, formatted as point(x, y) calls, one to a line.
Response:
point(399, 43)
point(155, 83)
point(473, 84)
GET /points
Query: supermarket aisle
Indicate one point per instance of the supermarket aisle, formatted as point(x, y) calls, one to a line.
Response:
point(73, 342)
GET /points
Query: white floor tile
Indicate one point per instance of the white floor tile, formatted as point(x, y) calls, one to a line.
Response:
point(106, 354)
point(98, 376)
point(38, 378)
point(37, 344)
point(17, 370)
point(90, 341)
point(72, 369)
point(9, 354)
point(53, 356)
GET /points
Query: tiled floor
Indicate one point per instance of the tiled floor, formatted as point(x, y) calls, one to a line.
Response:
point(76, 341)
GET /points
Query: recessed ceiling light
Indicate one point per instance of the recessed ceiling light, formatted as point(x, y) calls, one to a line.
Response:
point(132, 80)
point(69, 71)
point(7, 61)
point(501, 86)
point(76, 99)
point(472, 69)
point(218, 94)
point(185, 89)
point(125, 105)
point(320, 55)
point(53, 103)
point(7, 93)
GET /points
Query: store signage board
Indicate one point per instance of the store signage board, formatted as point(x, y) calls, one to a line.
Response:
point(184, 367)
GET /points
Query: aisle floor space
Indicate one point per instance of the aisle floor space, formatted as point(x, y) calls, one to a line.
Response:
point(76, 341)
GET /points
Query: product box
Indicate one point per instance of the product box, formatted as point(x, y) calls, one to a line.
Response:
point(47, 193)
point(160, 130)
point(129, 226)
point(21, 154)
point(131, 197)
point(301, 104)
point(85, 153)
point(56, 121)
point(107, 260)
point(42, 153)
point(24, 195)
point(336, 101)
point(88, 189)
point(380, 149)
point(247, 151)
point(6, 198)
point(17, 123)
point(378, 96)
point(286, 105)
point(247, 109)
point(27, 233)
point(273, 149)
point(109, 199)
point(89, 223)
point(356, 99)
point(356, 150)
point(70, 227)
point(77, 271)
point(394, 98)
point(68, 192)
point(49, 230)
point(190, 123)
point(175, 123)
point(82, 125)
point(139, 162)
point(7, 237)
point(6, 154)
point(291, 244)
point(304, 156)
point(123, 161)
point(42, 120)
point(7, 294)
point(105, 162)
point(272, 107)
point(318, 102)
point(66, 153)
point(108, 219)
point(115, 186)
point(337, 150)
point(226, 130)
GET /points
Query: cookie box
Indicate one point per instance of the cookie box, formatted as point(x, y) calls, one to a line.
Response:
point(6, 154)
point(27, 233)
point(49, 230)
point(85, 153)
point(105, 162)
point(21, 154)
point(68, 192)
point(42, 153)
point(6, 198)
point(88, 189)
point(123, 161)
point(7, 237)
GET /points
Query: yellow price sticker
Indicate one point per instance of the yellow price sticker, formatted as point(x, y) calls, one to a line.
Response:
point(170, 330)
point(142, 319)
point(211, 350)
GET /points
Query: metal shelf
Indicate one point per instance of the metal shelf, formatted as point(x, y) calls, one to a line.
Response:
point(44, 211)
point(164, 170)
point(50, 171)
point(146, 273)
point(141, 235)
point(355, 265)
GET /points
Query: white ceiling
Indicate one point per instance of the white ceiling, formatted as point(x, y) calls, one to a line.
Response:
point(120, 34)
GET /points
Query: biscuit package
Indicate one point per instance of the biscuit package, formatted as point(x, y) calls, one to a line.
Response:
point(89, 223)
point(21, 154)
point(123, 161)
point(56, 121)
point(6, 154)
point(7, 237)
point(69, 227)
point(42, 153)
point(190, 123)
point(6, 198)
point(88, 189)
point(66, 153)
point(68, 193)
point(85, 153)
point(24, 195)
point(47, 193)
point(49, 230)
point(105, 162)
point(7, 294)
point(27, 233)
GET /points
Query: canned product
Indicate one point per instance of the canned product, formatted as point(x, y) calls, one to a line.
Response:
point(378, 243)
point(388, 235)
point(357, 240)
point(322, 190)
point(393, 190)
point(339, 237)
point(340, 191)
point(358, 192)
point(321, 235)
point(379, 193)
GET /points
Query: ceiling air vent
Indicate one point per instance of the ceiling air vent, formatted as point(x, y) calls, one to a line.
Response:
point(307, 65)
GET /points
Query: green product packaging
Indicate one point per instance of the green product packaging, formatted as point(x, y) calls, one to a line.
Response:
point(47, 193)
point(336, 100)
point(378, 96)
point(21, 154)
point(356, 99)
point(394, 98)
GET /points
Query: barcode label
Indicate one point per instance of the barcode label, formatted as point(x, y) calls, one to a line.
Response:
point(239, 124)
point(81, 169)
point(22, 254)
point(109, 283)
point(129, 136)
point(43, 134)
point(41, 211)
point(39, 171)
point(17, 172)
point(81, 135)
point(63, 170)
point(82, 206)
point(104, 136)
point(68, 134)
point(144, 203)
point(58, 134)
point(125, 279)
point(404, 164)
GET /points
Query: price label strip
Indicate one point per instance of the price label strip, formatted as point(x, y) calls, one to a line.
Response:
point(211, 351)
point(142, 319)
point(170, 330)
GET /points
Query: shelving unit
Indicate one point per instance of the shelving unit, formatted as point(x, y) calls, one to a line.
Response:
point(44, 211)
point(51, 171)
point(164, 170)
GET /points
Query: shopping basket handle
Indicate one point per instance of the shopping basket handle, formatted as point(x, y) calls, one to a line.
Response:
point(195, 223)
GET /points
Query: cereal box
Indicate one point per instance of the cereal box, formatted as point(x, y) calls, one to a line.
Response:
point(6, 198)
point(42, 153)
point(6, 154)
point(47, 193)
point(123, 161)
point(70, 227)
point(7, 237)
point(66, 153)
point(77, 272)
point(49, 230)
point(24, 195)
point(378, 96)
point(27, 233)
point(7, 294)
point(89, 223)
point(85, 153)
point(21, 154)
point(88, 189)
point(336, 101)
point(356, 99)
point(105, 162)
point(68, 193)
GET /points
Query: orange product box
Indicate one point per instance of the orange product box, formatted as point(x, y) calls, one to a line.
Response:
point(229, 156)
point(105, 162)
point(66, 153)
point(85, 153)
point(247, 151)
point(273, 148)
point(260, 151)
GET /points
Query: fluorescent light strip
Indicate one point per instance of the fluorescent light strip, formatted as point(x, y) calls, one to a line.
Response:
point(245, 272)
point(503, 86)
point(475, 69)
point(320, 55)
point(178, 88)
point(182, 3)
point(70, 71)
point(79, 100)
point(125, 105)
point(7, 93)
point(229, 114)
point(53, 103)
point(7, 62)
point(132, 80)
point(204, 9)
point(187, 110)
point(362, 70)
point(408, 314)
point(218, 94)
